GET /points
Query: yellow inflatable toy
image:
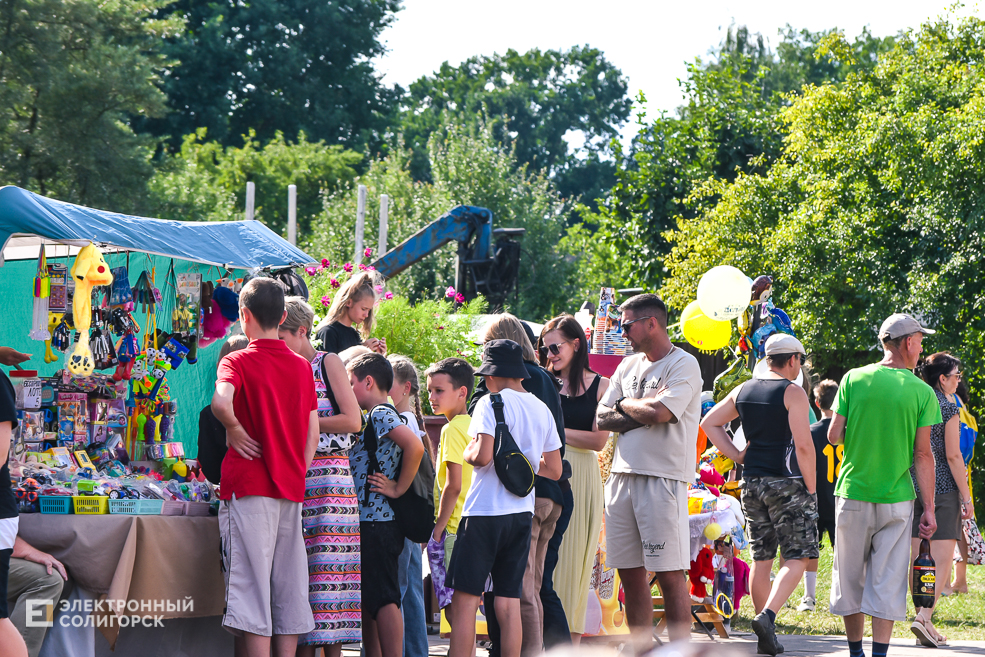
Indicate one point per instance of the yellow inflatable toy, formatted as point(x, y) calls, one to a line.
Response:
point(90, 270)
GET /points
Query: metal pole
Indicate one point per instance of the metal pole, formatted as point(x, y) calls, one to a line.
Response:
point(292, 214)
point(251, 192)
point(384, 219)
point(360, 224)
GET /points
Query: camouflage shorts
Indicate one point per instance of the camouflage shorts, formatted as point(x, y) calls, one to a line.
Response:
point(780, 511)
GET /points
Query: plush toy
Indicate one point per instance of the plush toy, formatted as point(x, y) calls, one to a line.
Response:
point(701, 573)
point(90, 270)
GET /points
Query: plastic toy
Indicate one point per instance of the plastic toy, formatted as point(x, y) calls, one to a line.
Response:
point(89, 270)
point(42, 290)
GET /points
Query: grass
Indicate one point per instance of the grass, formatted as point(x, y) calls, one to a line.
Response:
point(958, 617)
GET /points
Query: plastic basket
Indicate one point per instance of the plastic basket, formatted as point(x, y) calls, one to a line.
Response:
point(197, 508)
point(172, 508)
point(90, 504)
point(136, 507)
point(56, 504)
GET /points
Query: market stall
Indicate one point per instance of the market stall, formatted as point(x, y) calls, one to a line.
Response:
point(123, 317)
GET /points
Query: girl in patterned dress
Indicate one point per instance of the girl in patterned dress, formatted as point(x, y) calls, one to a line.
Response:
point(330, 513)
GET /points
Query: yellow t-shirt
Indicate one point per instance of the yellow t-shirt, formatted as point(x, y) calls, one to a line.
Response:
point(451, 449)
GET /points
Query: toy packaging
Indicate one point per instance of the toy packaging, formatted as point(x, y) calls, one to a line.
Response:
point(608, 338)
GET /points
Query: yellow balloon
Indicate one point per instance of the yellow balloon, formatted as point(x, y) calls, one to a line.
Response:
point(704, 333)
point(713, 531)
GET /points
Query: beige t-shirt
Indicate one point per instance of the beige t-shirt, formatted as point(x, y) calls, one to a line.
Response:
point(666, 449)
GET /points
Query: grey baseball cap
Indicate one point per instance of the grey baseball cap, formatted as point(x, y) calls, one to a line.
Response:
point(900, 324)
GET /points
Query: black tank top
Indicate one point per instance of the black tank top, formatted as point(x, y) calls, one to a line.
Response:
point(766, 424)
point(579, 412)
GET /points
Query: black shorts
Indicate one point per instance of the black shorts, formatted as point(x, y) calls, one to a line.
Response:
point(496, 545)
point(380, 545)
point(4, 572)
point(825, 525)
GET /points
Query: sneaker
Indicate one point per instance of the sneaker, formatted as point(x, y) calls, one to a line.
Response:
point(807, 604)
point(765, 630)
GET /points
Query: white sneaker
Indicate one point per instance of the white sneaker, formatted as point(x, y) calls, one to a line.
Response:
point(807, 604)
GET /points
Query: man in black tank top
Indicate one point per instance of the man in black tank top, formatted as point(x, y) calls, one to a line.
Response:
point(778, 496)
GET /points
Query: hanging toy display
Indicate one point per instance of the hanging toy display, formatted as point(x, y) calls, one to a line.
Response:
point(90, 270)
point(42, 290)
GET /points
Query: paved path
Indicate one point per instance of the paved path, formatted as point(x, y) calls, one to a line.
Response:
point(742, 644)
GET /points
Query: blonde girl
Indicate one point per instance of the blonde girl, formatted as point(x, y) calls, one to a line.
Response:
point(354, 305)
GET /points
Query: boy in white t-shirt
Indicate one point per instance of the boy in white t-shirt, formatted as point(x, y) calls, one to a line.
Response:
point(494, 534)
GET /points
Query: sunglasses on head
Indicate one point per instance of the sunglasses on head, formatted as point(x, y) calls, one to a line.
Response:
point(555, 349)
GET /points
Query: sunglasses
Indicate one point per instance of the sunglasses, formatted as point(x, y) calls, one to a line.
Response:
point(633, 321)
point(555, 349)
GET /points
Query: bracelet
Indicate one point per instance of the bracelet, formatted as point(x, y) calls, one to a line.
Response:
point(966, 503)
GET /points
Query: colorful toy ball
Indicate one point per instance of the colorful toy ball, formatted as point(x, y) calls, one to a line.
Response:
point(713, 531)
point(723, 293)
point(703, 332)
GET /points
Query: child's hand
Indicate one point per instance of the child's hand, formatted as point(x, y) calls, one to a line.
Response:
point(245, 446)
point(380, 484)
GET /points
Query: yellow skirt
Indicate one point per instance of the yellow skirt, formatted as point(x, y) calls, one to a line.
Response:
point(572, 578)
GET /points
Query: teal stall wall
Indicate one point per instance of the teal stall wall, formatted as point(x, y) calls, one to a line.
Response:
point(191, 385)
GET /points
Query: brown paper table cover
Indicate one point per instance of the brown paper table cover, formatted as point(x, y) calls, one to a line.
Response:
point(139, 558)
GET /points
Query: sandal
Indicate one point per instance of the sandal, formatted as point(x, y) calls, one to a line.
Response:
point(923, 635)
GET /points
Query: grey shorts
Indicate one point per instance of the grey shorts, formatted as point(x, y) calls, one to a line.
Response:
point(646, 523)
point(947, 510)
point(871, 558)
point(265, 567)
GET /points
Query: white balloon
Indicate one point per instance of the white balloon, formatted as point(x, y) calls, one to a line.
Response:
point(723, 293)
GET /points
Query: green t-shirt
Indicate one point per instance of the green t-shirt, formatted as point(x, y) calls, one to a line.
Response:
point(884, 407)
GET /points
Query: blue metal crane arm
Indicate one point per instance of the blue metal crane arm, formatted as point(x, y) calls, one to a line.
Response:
point(458, 224)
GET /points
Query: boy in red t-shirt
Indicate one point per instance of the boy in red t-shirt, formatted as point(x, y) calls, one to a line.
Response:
point(265, 397)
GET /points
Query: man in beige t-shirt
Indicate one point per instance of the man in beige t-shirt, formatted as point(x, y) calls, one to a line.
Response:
point(654, 404)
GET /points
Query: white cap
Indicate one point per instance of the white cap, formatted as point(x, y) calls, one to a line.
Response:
point(783, 343)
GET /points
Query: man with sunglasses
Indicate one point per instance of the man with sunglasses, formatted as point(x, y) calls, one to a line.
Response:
point(654, 404)
point(778, 495)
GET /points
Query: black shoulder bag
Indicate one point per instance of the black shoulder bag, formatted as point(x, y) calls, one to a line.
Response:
point(512, 466)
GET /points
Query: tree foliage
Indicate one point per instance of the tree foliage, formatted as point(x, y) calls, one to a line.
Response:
point(273, 66)
point(469, 167)
point(729, 125)
point(205, 181)
point(538, 99)
point(71, 75)
point(877, 204)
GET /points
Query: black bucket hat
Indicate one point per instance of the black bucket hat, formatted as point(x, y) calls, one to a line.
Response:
point(502, 358)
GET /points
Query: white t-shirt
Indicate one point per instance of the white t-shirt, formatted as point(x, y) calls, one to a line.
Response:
point(412, 423)
point(667, 449)
point(8, 532)
point(532, 426)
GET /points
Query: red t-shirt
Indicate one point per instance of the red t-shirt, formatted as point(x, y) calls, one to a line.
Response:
point(275, 394)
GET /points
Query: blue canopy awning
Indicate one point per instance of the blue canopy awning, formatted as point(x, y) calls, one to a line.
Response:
point(233, 244)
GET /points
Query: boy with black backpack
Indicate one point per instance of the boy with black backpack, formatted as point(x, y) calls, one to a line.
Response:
point(384, 462)
point(513, 437)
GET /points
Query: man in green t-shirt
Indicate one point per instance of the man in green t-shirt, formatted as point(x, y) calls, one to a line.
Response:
point(883, 415)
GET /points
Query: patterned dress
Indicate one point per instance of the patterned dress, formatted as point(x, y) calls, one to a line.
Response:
point(330, 519)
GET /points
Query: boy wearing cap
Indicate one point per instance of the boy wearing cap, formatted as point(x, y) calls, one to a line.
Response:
point(494, 534)
point(778, 497)
point(882, 415)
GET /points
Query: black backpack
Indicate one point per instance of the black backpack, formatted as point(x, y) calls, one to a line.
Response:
point(512, 466)
point(414, 510)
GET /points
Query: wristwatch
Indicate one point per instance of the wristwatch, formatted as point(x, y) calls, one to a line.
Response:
point(618, 406)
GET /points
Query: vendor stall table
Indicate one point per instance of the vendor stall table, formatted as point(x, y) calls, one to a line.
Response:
point(145, 559)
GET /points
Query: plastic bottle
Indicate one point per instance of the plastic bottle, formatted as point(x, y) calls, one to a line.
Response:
point(924, 577)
